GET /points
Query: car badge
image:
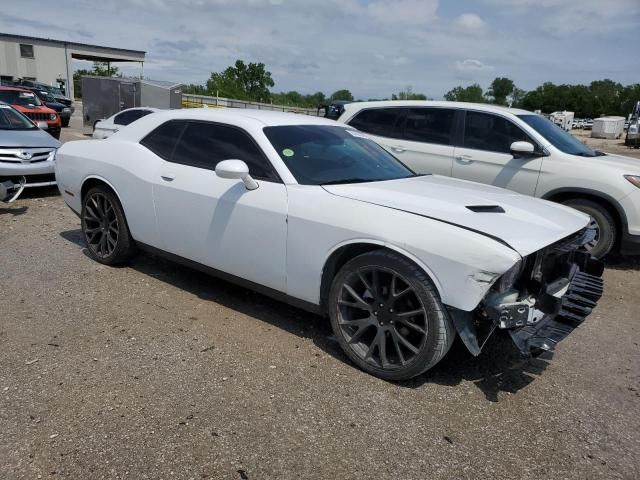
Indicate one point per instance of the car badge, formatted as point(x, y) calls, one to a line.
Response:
point(25, 155)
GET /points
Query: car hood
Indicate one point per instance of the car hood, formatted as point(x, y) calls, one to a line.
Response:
point(524, 223)
point(628, 164)
point(35, 138)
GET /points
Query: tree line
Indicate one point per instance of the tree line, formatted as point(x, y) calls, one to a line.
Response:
point(253, 82)
point(600, 97)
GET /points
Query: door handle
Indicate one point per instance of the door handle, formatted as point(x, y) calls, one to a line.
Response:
point(398, 149)
point(464, 158)
point(168, 177)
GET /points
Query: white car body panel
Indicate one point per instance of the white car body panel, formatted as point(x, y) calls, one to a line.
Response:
point(107, 127)
point(541, 177)
point(281, 234)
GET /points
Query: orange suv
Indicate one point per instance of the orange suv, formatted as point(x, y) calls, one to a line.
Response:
point(28, 103)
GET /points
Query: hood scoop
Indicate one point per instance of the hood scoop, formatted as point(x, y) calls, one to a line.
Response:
point(486, 208)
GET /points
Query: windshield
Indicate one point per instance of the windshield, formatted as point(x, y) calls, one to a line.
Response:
point(55, 91)
point(11, 119)
point(16, 97)
point(47, 97)
point(318, 155)
point(558, 137)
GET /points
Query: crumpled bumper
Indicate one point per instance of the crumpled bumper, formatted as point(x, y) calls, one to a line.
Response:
point(571, 310)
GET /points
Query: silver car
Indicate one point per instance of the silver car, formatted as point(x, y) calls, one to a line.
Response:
point(25, 151)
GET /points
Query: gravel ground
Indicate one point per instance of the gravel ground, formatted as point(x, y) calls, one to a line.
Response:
point(157, 371)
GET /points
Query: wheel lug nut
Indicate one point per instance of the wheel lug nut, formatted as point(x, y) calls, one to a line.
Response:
point(382, 304)
point(375, 313)
point(391, 310)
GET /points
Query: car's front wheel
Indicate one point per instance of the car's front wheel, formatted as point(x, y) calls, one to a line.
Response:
point(601, 221)
point(388, 317)
point(105, 228)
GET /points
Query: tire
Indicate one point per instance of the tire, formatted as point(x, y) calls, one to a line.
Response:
point(104, 227)
point(65, 122)
point(382, 302)
point(602, 220)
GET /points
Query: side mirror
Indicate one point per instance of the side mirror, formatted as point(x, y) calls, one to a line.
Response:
point(236, 170)
point(42, 125)
point(522, 149)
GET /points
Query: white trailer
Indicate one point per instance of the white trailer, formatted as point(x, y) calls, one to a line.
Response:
point(563, 119)
point(607, 127)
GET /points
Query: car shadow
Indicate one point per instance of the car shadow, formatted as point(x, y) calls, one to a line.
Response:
point(622, 262)
point(17, 211)
point(499, 368)
point(40, 192)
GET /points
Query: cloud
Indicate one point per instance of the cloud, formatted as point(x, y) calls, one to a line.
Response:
point(372, 47)
point(179, 45)
point(470, 22)
point(403, 11)
point(563, 18)
point(472, 65)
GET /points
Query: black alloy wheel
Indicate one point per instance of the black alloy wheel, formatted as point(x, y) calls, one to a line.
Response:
point(101, 225)
point(104, 227)
point(388, 317)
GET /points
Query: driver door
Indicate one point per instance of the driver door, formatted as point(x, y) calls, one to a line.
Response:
point(218, 222)
point(485, 155)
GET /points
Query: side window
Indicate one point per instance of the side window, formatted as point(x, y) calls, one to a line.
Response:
point(163, 139)
point(430, 125)
point(485, 131)
point(125, 118)
point(203, 145)
point(384, 122)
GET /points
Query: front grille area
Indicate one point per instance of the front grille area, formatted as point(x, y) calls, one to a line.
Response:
point(566, 284)
point(24, 155)
point(44, 178)
point(37, 116)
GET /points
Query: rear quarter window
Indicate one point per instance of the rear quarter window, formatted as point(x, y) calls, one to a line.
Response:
point(162, 141)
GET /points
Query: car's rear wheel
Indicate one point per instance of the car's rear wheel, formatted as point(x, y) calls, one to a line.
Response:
point(601, 221)
point(388, 317)
point(105, 228)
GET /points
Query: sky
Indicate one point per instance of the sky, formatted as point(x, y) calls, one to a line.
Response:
point(372, 47)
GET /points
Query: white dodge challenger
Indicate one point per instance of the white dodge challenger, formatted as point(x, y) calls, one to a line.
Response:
point(314, 213)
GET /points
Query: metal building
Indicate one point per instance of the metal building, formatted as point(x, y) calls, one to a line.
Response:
point(50, 61)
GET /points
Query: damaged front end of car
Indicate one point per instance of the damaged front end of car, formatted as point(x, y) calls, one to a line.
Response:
point(540, 300)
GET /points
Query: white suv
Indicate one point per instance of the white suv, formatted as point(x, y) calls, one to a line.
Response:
point(514, 149)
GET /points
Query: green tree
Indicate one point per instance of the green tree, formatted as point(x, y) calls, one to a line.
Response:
point(472, 93)
point(243, 82)
point(516, 97)
point(341, 95)
point(99, 69)
point(499, 90)
point(407, 94)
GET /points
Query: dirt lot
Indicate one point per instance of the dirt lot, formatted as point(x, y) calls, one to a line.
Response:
point(616, 146)
point(156, 371)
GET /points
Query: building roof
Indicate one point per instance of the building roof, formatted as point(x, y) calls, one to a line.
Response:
point(70, 43)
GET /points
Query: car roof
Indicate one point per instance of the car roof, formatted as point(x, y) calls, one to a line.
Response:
point(356, 106)
point(17, 89)
point(260, 118)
